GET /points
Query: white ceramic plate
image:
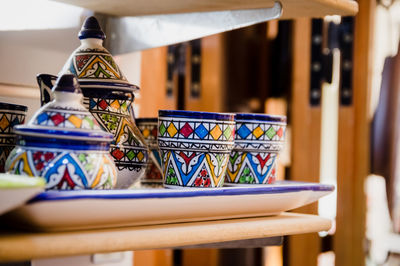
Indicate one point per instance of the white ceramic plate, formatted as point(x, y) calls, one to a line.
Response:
point(17, 190)
point(71, 210)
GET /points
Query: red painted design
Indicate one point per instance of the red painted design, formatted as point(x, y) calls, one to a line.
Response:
point(154, 132)
point(103, 104)
point(280, 132)
point(39, 166)
point(81, 60)
point(118, 154)
point(186, 130)
point(37, 155)
point(48, 156)
point(66, 178)
point(57, 119)
point(185, 158)
point(263, 162)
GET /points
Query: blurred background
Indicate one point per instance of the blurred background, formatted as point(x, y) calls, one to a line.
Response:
point(335, 78)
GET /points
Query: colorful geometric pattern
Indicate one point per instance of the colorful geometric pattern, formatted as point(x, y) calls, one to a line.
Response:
point(194, 169)
point(253, 159)
point(153, 176)
point(249, 131)
point(251, 167)
point(64, 169)
point(196, 130)
point(95, 64)
point(9, 119)
point(65, 119)
point(115, 106)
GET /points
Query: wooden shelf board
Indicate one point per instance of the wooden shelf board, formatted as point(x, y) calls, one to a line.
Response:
point(20, 246)
point(291, 8)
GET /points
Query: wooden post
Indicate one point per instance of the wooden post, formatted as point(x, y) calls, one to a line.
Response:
point(354, 144)
point(306, 127)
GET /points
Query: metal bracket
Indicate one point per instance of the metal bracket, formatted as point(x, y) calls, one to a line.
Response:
point(346, 64)
point(128, 34)
point(337, 36)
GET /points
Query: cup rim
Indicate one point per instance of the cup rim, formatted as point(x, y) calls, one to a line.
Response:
point(261, 117)
point(12, 106)
point(196, 115)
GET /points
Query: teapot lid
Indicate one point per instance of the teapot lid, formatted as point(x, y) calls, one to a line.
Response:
point(93, 64)
point(65, 117)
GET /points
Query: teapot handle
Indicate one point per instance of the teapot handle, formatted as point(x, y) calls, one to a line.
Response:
point(46, 83)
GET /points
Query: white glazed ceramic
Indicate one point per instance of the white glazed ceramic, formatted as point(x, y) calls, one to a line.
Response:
point(258, 140)
point(70, 210)
point(195, 147)
point(64, 144)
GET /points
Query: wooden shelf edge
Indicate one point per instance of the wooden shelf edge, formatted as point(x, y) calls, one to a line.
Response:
point(20, 246)
point(291, 8)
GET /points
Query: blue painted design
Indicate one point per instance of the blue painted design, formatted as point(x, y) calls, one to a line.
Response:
point(201, 131)
point(243, 131)
point(157, 156)
point(92, 103)
point(260, 117)
point(196, 115)
point(280, 187)
point(15, 122)
point(253, 165)
point(186, 177)
point(61, 133)
point(42, 117)
point(66, 159)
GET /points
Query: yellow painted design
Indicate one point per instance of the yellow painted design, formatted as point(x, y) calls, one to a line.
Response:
point(232, 176)
point(146, 132)
point(4, 123)
point(98, 60)
point(216, 132)
point(24, 158)
point(258, 132)
point(140, 156)
point(98, 176)
point(77, 122)
point(124, 122)
point(172, 130)
point(115, 104)
point(215, 178)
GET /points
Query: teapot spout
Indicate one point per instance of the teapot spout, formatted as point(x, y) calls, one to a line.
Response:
point(45, 82)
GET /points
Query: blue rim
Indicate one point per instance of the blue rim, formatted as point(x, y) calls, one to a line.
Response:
point(65, 144)
point(59, 134)
point(196, 115)
point(261, 117)
point(289, 187)
point(146, 119)
point(11, 106)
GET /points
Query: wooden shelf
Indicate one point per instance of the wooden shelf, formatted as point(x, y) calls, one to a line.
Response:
point(291, 8)
point(20, 246)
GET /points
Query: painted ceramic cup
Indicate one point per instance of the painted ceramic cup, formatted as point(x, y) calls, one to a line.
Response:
point(153, 176)
point(258, 140)
point(109, 97)
point(64, 143)
point(10, 116)
point(195, 147)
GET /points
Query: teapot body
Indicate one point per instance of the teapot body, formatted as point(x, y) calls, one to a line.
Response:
point(113, 110)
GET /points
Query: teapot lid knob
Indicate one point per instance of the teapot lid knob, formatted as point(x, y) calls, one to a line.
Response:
point(91, 29)
point(67, 83)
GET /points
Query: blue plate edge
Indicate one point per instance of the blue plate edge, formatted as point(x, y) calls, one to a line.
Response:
point(179, 193)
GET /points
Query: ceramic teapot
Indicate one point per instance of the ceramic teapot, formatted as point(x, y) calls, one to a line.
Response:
point(64, 143)
point(109, 97)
